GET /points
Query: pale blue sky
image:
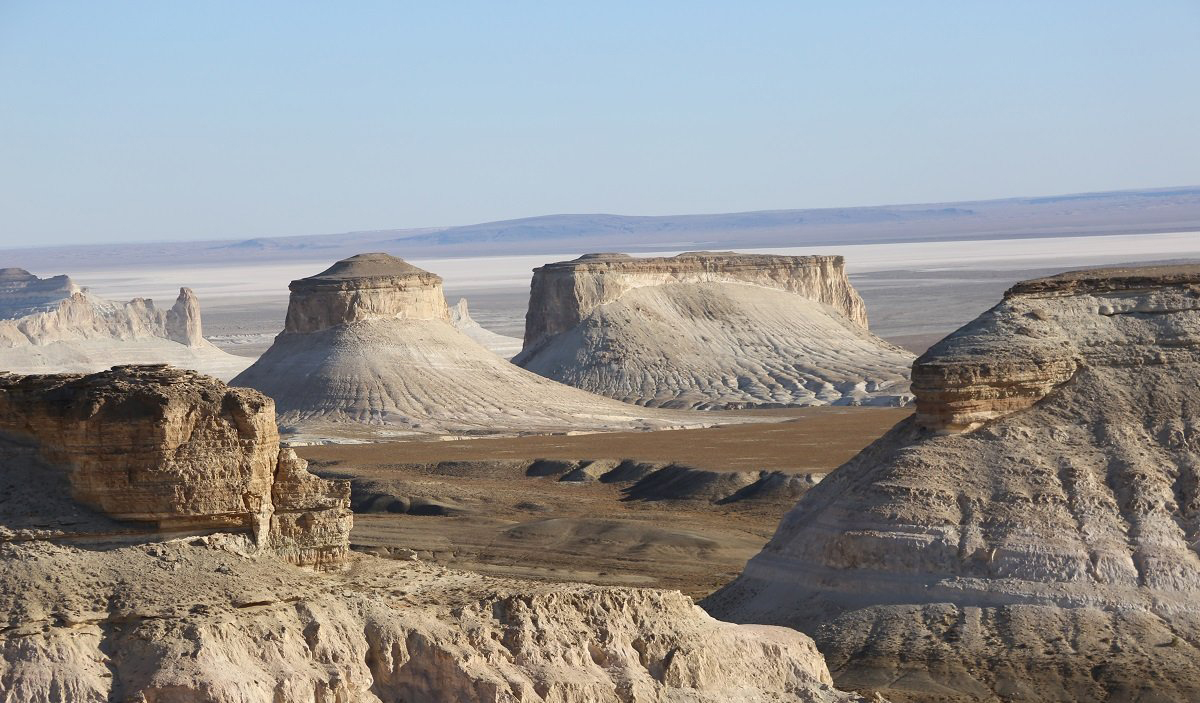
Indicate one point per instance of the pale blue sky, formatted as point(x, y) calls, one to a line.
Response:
point(158, 120)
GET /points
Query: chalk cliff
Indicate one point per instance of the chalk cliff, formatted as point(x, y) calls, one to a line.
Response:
point(152, 538)
point(710, 330)
point(369, 344)
point(181, 451)
point(1031, 533)
point(52, 325)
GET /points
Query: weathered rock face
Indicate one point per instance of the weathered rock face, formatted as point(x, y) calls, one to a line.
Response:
point(197, 622)
point(562, 294)
point(180, 450)
point(52, 325)
point(370, 342)
point(710, 331)
point(1047, 329)
point(364, 287)
point(1047, 548)
point(92, 612)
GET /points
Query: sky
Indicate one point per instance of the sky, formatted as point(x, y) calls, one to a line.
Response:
point(152, 121)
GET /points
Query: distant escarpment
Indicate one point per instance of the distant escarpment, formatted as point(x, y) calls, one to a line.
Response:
point(369, 343)
point(51, 325)
point(174, 451)
point(710, 330)
point(1031, 533)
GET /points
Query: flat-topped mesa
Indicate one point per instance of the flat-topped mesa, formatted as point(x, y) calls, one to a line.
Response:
point(180, 450)
point(365, 287)
point(562, 294)
point(1045, 330)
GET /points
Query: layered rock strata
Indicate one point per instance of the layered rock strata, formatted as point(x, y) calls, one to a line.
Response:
point(52, 325)
point(178, 450)
point(1031, 533)
point(197, 621)
point(710, 330)
point(369, 343)
point(219, 610)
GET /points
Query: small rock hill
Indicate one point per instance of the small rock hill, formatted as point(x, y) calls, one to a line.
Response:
point(710, 330)
point(1031, 534)
point(51, 325)
point(370, 342)
point(152, 535)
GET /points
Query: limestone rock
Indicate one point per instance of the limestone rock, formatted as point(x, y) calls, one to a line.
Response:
point(1031, 534)
point(368, 343)
point(52, 325)
point(92, 612)
point(192, 621)
point(710, 330)
point(179, 450)
point(502, 346)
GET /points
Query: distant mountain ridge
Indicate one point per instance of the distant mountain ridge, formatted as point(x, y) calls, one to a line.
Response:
point(1080, 214)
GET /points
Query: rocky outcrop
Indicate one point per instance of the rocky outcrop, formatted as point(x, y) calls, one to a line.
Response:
point(364, 287)
point(369, 348)
point(179, 450)
point(562, 294)
point(1043, 332)
point(502, 346)
point(1031, 534)
point(196, 621)
point(52, 325)
point(710, 331)
point(208, 602)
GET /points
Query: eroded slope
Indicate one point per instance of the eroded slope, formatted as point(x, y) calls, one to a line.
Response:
point(370, 343)
point(1031, 533)
point(707, 331)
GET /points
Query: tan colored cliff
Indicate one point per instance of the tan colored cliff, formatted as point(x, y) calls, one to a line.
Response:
point(1043, 332)
point(364, 287)
point(1032, 532)
point(197, 621)
point(563, 293)
point(179, 450)
point(207, 601)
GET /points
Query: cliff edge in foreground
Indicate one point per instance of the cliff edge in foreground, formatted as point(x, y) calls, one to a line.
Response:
point(1031, 533)
point(151, 533)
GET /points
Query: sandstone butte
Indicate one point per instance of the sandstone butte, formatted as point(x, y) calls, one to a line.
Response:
point(51, 325)
point(710, 330)
point(368, 346)
point(1031, 533)
point(154, 541)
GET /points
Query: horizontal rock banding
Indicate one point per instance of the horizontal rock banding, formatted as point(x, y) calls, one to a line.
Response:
point(1047, 490)
point(179, 450)
point(710, 331)
point(562, 294)
point(370, 343)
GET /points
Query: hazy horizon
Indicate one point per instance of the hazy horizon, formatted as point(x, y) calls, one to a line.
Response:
point(164, 122)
